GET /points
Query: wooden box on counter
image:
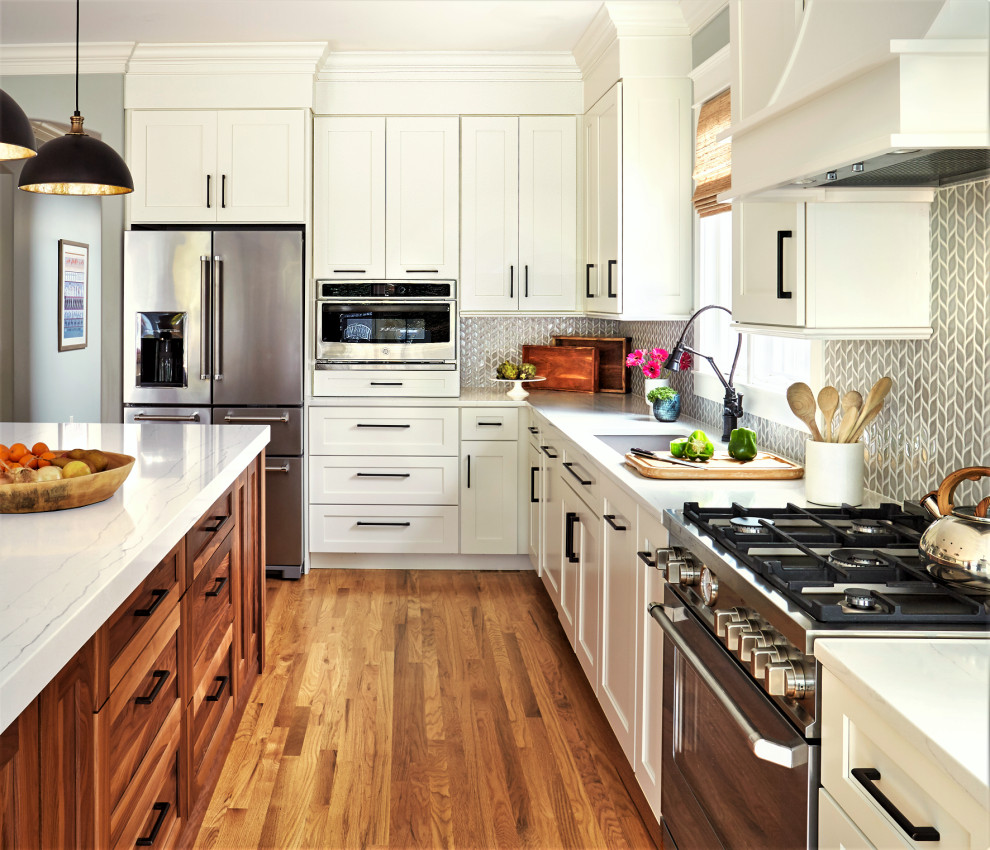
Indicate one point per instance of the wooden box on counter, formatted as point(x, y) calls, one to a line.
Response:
point(125, 745)
point(613, 376)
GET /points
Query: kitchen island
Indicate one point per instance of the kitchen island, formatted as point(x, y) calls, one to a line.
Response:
point(132, 634)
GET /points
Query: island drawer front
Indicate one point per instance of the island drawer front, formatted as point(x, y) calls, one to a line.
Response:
point(132, 625)
point(398, 529)
point(383, 431)
point(139, 706)
point(212, 710)
point(210, 603)
point(142, 806)
point(911, 779)
point(383, 480)
point(203, 539)
point(489, 423)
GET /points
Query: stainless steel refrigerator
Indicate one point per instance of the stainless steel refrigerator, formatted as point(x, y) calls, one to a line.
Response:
point(213, 333)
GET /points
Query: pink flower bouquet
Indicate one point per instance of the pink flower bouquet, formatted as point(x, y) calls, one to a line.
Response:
point(651, 363)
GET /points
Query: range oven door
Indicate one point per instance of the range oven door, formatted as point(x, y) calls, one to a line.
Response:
point(386, 331)
point(735, 772)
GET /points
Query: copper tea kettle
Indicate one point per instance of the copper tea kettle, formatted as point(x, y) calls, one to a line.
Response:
point(957, 544)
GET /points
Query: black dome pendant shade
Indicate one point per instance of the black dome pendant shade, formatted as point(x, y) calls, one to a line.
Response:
point(16, 136)
point(76, 164)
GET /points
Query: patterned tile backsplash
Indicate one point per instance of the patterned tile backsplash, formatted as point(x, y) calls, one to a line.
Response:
point(937, 417)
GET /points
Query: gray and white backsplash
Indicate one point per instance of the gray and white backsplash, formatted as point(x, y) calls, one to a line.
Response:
point(937, 416)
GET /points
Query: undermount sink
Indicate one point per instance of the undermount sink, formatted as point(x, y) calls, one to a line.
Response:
point(622, 443)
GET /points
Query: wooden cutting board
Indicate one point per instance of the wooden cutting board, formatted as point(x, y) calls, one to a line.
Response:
point(570, 369)
point(613, 376)
point(764, 466)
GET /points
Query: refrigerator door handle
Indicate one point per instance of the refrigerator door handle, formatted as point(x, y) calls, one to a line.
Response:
point(217, 318)
point(204, 330)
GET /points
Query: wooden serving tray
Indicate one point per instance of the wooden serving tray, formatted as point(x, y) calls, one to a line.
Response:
point(66, 492)
point(569, 369)
point(613, 376)
point(764, 466)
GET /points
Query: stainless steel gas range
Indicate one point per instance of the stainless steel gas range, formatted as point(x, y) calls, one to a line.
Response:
point(749, 592)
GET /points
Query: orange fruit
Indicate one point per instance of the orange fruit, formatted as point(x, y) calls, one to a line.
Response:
point(29, 461)
point(43, 463)
point(46, 455)
point(17, 451)
point(4, 452)
point(39, 449)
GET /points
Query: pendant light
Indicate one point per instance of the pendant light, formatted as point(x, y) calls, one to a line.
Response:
point(76, 164)
point(16, 136)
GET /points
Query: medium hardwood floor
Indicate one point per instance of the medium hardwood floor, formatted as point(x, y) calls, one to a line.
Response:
point(404, 709)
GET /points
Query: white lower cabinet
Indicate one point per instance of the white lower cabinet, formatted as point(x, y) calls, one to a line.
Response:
point(581, 582)
point(835, 830)
point(551, 446)
point(366, 480)
point(537, 495)
point(489, 497)
point(619, 608)
point(395, 529)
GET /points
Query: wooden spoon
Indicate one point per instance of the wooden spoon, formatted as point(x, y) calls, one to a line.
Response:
point(828, 401)
point(802, 403)
point(871, 407)
point(852, 402)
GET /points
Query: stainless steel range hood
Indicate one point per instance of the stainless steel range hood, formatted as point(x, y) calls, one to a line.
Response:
point(874, 109)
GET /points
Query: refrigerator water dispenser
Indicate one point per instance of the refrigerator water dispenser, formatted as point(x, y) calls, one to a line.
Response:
point(161, 354)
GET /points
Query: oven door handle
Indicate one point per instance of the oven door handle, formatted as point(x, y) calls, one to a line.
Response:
point(763, 748)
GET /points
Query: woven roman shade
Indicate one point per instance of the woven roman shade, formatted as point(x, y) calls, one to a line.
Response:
point(712, 161)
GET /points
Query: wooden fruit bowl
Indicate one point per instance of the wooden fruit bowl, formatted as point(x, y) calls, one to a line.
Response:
point(66, 492)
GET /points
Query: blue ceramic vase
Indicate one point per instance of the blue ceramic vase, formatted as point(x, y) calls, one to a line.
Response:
point(667, 409)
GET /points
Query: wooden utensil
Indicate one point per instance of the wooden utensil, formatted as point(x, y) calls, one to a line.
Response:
point(802, 403)
point(828, 401)
point(871, 407)
point(852, 402)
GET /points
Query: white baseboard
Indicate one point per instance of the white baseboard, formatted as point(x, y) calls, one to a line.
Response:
point(386, 561)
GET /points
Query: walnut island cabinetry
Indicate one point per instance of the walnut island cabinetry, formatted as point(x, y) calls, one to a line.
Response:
point(136, 642)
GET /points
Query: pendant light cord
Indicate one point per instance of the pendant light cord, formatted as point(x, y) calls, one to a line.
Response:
point(77, 58)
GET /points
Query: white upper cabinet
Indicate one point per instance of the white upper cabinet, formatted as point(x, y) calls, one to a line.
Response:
point(639, 219)
point(518, 213)
point(349, 198)
point(227, 166)
point(834, 269)
point(422, 195)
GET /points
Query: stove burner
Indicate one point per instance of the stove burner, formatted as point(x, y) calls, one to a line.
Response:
point(859, 599)
point(854, 558)
point(748, 524)
point(868, 526)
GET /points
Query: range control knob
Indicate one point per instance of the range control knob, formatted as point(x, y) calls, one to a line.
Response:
point(709, 587)
point(789, 679)
point(763, 656)
point(758, 640)
point(681, 568)
point(734, 631)
point(730, 615)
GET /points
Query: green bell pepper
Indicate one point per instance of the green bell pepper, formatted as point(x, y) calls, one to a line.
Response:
point(677, 447)
point(742, 444)
point(699, 447)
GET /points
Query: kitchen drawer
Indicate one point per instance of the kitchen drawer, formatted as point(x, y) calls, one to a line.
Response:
point(131, 626)
point(205, 536)
point(285, 424)
point(578, 471)
point(383, 528)
point(140, 704)
point(855, 736)
point(383, 481)
point(383, 431)
point(835, 830)
point(209, 604)
point(151, 807)
point(490, 423)
point(374, 383)
point(212, 710)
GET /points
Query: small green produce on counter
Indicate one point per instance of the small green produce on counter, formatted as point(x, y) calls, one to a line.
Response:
point(742, 444)
point(507, 370)
point(677, 447)
point(699, 447)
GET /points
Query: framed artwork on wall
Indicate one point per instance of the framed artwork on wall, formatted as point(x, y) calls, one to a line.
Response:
point(73, 268)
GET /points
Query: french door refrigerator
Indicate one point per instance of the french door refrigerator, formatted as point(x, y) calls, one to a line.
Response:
point(213, 333)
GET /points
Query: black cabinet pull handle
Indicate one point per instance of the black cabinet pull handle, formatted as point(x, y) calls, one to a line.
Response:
point(149, 841)
point(213, 529)
point(610, 519)
point(159, 597)
point(380, 425)
point(220, 582)
point(469, 472)
point(350, 271)
point(611, 294)
point(587, 280)
point(547, 450)
point(223, 684)
point(646, 559)
point(384, 474)
point(867, 776)
point(570, 468)
point(533, 429)
point(162, 677)
point(386, 383)
point(569, 523)
point(512, 281)
point(422, 271)
point(223, 191)
point(209, 179)
point(397, 524)
point(781, 236)
point(495, 424)
point(532, 484)
point(526, 282)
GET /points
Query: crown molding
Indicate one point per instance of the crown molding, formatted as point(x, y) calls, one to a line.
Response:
point(595, 40)
point(241, 58)
point(712, 76)
point(637, 18)
point(107, 57)
point(384, 66)
point(697, 13)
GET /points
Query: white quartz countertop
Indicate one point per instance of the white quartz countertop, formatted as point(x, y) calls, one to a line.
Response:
point(936, 693)
point(63, 573)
